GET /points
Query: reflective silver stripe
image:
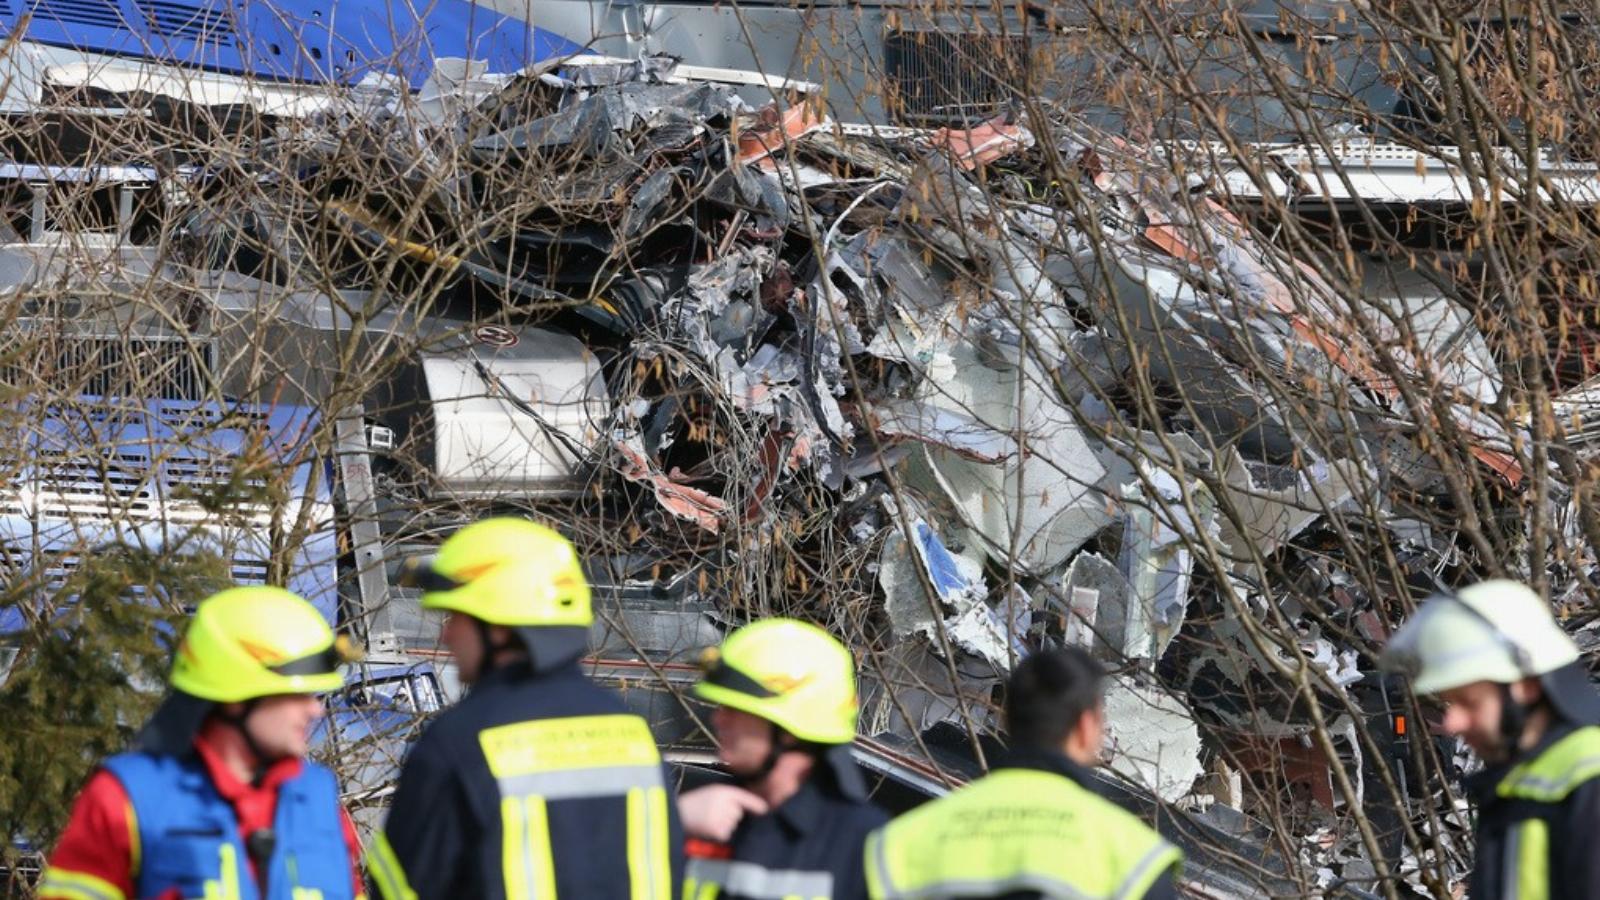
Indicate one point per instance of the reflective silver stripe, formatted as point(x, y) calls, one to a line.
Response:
point(1162, 851)
point(1512, 863)
point(1551, 786)
point(566, 784)
point(877, 841)
point(758, 883)
point(1051, 888)
point(698, 868)
point(531, 845)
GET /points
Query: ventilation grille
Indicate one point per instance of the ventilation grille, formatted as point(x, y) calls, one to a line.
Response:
point(101, 13)
point(186, 22)
point(944, 76)
point(93, 488)
point(57, 568)
point(110, 366)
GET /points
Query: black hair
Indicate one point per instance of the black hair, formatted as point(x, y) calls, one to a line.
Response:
point(1047, 695)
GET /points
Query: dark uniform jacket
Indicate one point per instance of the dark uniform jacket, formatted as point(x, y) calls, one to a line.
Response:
point(809, 847)
point(1539, 820)
point(447, 828)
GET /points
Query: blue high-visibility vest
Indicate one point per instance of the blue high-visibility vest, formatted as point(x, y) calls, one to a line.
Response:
point(189, 836)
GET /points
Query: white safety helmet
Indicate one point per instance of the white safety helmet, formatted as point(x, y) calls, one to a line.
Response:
point(1498, 631)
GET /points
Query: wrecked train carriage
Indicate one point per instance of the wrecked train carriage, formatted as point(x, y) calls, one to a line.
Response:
point(859, 321)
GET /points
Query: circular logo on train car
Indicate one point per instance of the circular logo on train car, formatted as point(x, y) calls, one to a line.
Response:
point(496, 336)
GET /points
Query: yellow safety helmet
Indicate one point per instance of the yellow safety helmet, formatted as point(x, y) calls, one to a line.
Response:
point(250, 642)
point(516, 573)
point(793, 674)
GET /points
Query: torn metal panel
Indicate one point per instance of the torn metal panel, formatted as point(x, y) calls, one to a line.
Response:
point(1152, 739)
point(940, 427)
point(1097, 598)
point(1213, 390)
point(1276, 503)
point(775, 128)
point(991, 141)
point(454, 87)
point(1036, 509)
point(719, 302)
point(592, 125)
point(1577, 416)
point(978, 630)
point(959, 607)
point(745, 189)
point(911, 690)
point(1238, 294)
point(1157, 536)
point(902, 272)
point(1431, 335)
point(765, 381)
point(1342, 667)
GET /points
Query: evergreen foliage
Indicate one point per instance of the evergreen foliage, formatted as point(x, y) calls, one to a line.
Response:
point(91, 662)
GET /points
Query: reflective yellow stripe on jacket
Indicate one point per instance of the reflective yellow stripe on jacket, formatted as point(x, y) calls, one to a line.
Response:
point(579, 757)
point(1527, 861)
point(64, 884)
point(1548, 778)
point(387, 873)
point(1557, 771)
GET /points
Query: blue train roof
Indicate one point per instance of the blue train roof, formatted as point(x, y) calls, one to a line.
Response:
point(334, 41)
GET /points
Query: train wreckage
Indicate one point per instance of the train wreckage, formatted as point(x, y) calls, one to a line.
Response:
point(757, 359)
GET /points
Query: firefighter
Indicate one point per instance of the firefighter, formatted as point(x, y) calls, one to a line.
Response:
point(217, 799)
point(538, 783)
point(1515, 691)
point(1033, 827)
point(795, 821)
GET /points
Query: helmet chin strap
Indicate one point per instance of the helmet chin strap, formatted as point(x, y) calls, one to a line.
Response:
point(1513, 720)
point(490, 648)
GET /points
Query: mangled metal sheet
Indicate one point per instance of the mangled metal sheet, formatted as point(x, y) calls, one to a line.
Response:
point(1095, 597)
point(681, 500)
point(1274, 504)
point(1164, 528)
point(1032, 511)
point(957, 610)
point(1152, 739)
point(592, 125)
point(938, 426)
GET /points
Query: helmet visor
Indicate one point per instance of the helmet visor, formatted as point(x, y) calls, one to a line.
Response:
point(323, 662)
point(717, 672)
point(418, 572)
